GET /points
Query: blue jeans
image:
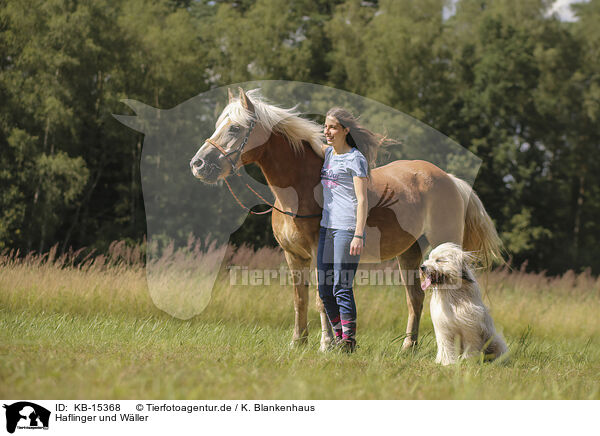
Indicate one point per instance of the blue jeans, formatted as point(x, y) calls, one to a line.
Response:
point(336, 269)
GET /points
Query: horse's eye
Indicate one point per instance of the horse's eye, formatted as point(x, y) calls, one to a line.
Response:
point(439, 260)
point(234, 129)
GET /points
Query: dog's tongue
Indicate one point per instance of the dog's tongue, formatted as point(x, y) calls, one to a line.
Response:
point(426, 283)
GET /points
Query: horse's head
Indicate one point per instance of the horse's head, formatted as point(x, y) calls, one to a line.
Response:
point(235, 142)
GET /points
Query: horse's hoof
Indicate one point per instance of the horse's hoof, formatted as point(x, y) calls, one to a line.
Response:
point(326, 346)
point(299, 342)
point(409, 344)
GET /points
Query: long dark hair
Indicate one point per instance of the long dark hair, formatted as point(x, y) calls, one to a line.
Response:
point(363, 139)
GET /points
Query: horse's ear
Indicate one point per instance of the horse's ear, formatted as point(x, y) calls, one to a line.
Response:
point(230, 95)
point(144, 115)
point(246, 101)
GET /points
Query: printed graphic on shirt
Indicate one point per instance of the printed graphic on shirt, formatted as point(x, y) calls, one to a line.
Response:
point(329, 178)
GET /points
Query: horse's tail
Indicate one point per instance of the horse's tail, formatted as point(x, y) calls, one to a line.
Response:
point(480, 234)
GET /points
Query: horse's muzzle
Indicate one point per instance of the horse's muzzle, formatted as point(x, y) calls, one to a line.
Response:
point(205, 170)
point(197, 164)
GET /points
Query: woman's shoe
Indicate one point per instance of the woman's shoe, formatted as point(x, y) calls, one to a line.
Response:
point(348, 345)
point(335, 343)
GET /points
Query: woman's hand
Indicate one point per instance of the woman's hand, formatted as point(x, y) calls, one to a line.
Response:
point(356, 246)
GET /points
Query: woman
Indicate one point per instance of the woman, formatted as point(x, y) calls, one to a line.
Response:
point(344, 177)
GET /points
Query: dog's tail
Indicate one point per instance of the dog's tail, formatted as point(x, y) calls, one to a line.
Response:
point(480, 234)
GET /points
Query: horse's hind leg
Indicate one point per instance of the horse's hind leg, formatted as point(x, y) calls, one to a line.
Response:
point(409, 263)
point(446, 221)
point(300, 275)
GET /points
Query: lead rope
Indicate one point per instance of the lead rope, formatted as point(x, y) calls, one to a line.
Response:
point(242, 204)
point(293, 215)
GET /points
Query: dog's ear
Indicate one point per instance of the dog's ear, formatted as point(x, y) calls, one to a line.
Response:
point(467, 266)
point(468, 260)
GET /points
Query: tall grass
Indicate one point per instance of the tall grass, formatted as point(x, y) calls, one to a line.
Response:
point(85, 326)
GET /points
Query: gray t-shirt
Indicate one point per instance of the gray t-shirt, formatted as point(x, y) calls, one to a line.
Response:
point(339, 197)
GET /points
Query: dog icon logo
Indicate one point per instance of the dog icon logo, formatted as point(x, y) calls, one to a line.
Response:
point(26, 415)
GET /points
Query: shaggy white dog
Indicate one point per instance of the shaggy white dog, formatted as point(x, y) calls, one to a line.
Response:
point(463, 325)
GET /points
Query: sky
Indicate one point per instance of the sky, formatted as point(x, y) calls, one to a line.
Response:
point(560, 7)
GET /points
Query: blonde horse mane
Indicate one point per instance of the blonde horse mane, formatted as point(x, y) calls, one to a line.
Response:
point(275, 119)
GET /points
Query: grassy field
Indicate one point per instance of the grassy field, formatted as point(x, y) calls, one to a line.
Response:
point(91, 331)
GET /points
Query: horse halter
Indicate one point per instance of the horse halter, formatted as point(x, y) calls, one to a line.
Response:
point(239, 149)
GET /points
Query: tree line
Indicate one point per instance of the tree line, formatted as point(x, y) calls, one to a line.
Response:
point(516, 86)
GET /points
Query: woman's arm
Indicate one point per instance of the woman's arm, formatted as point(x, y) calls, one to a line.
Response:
point(360, 188)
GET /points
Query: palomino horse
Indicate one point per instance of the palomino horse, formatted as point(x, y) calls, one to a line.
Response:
point(412, 204)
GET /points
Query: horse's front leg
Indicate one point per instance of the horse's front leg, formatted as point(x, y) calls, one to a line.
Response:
point(300, 277)
point(326, 330)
